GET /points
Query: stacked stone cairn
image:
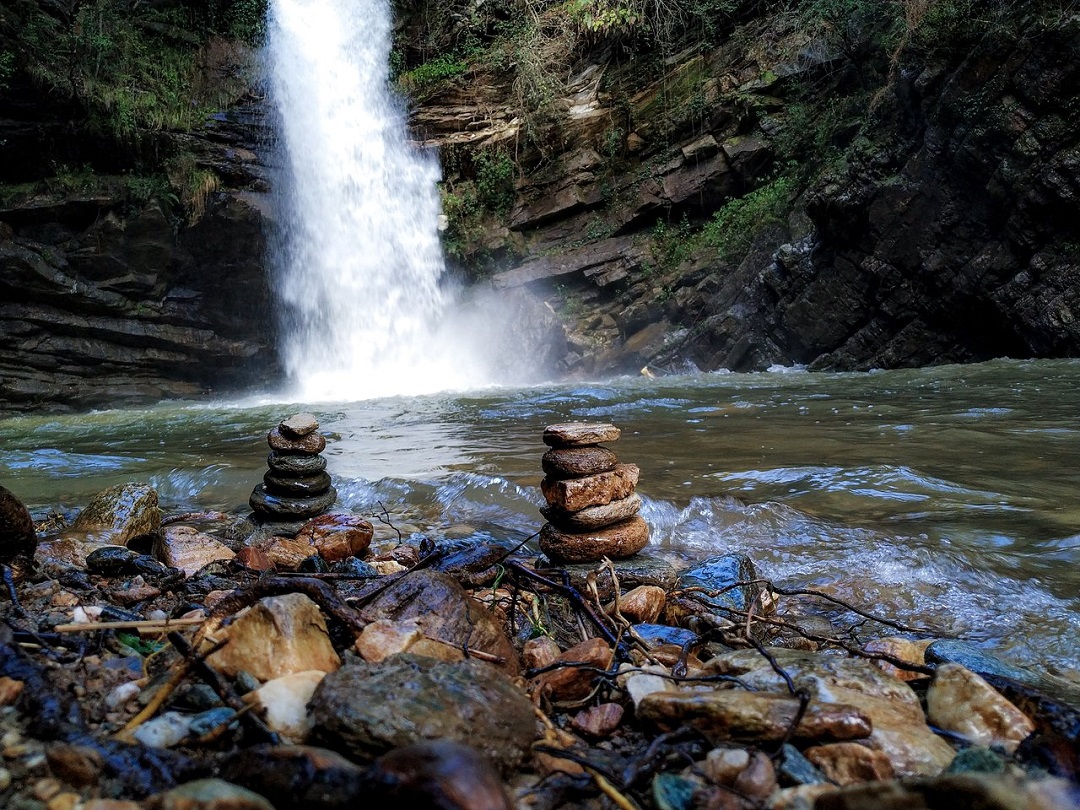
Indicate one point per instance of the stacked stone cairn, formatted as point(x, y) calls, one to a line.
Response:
point(297, 485)
point(592, 508)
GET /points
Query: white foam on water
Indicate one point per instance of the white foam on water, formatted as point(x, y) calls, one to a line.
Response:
point(359, 265)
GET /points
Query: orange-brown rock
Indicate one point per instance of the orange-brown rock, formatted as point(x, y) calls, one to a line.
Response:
point(623, 539)
point(299, 425)
point(594, 517)
point(576, 434)
point(539, 652)
point(310, 444)
point(575, 494)
point(912, 652)
point(642, 605)
point(598, 721)
point(572, 462)
point(336, 537)
point(725, 715)
point(574, 682)
point(188, 549)
point(961, 701)
point(287, 552)
point(254, 558)
point(846, 763)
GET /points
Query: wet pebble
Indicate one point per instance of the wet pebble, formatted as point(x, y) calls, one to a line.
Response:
point(164, 731)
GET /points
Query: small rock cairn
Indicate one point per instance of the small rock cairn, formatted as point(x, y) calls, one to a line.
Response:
point(592, 509)
point(297, 485)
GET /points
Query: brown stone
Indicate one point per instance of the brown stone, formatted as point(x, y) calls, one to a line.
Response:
point(621, 540)
point(311, 445)
point(758, 780)
point(299, 425)
point(539, 652)
point(847, 763)
point(10, 689)
point(574, 682)
point(598, 721)
point(254, 558)
point(382, 638)
point(571, 462)
point(277, 636)
point(188, 549)
point(725, 715)
point(76, 765)
point(337, 536)
point(287, 553)
point(912, 652)
point(576, 434)
point(119, 514)
point(594, 517)
point(642, 605)
point(961, 701)
point(575, 494)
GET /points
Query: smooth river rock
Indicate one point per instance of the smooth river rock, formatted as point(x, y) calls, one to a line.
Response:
point(17, 535)
point(299, 425)
point(311, 444)
point(119, 514)
point(593, 517)
point(292, 465)
point(367, 709)
point(263, 503)
point(577, 434)
point(729, 714)
point(337, 536)
point(899, 726)
point(960, 701)
point(572, 462)
point(575, 494)
point(622, 539)
point(721, 587)
point(188, 549)
point(300, 486)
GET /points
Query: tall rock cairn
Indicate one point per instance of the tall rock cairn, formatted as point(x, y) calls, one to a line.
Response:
point(296, 486)
point(592, 509)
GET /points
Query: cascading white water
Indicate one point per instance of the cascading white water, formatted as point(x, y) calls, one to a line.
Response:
point(360, 260)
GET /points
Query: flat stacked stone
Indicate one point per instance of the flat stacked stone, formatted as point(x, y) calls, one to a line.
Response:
point(592, 508)
point(296, 485)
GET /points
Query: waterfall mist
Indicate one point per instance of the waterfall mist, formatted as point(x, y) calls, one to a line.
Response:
point(359, 265)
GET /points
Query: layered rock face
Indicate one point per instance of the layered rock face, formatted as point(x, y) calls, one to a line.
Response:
point(105, 303)
point(944, 234)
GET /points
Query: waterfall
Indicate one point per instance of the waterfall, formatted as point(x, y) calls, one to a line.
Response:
point(359, 261)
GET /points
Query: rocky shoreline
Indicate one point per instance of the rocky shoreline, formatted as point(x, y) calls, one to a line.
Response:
point(247, 661)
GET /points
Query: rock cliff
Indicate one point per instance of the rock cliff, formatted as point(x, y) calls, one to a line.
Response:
point(846, 192)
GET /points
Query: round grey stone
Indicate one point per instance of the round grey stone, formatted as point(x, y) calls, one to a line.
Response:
point(281, 508)
point(307, 486)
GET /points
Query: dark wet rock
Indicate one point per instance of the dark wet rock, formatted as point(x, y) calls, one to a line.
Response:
point(950, 651)
point(473, 563)
point(795, 769)
point(17, 537)
point(299, 777)
point(593, 517)
point(577, 434)
point(297, 486)
point(293, 465)
point(310, 445)
point(619, 540)
point(657, 634)
point(644, 568)
point(119, 514)
point(368, 709)
point(299, 425)
point(440, 774)
point(111, 561)
point(283, 508)
point(444, 611)
point(570, 462)
point(977, 759)
point(720, 587)
point(354, 567)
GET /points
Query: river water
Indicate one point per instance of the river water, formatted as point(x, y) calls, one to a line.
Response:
point(944, 497)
